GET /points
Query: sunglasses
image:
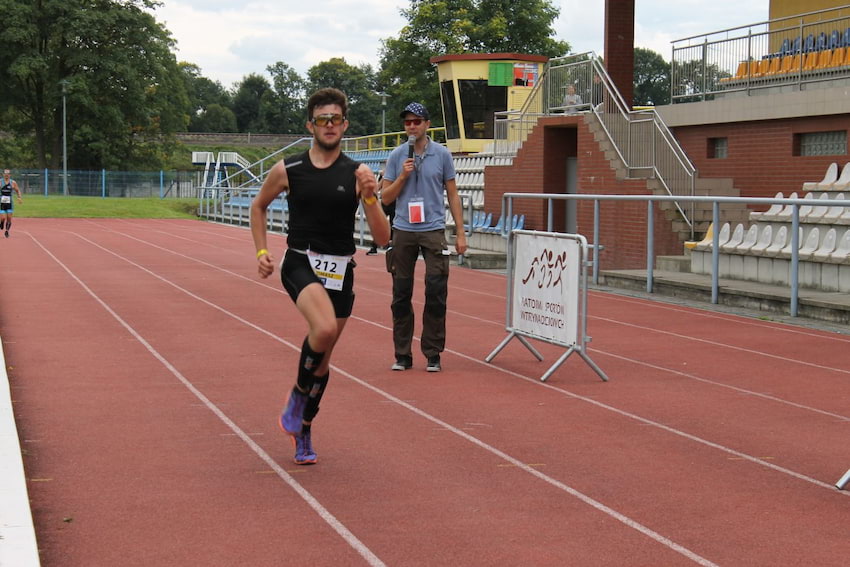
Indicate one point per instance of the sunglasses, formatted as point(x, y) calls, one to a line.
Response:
point(325, 119)
point(413, 122)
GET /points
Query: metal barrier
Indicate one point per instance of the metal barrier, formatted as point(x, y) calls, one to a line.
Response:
point(547, 294)
point(508, 210)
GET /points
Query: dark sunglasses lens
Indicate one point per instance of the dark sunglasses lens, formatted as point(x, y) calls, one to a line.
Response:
point(414, 122)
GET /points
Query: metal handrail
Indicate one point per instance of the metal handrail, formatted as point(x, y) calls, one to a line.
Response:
point(664, 157)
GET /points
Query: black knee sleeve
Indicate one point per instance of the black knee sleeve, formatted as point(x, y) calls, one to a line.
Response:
point(307, 365)
point(436, 292)
point(402, 293)
point(315, 396)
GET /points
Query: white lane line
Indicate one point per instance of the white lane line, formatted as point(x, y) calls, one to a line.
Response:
point(311, 501)
point(666, 542)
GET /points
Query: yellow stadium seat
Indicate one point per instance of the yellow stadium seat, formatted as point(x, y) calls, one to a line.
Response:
point(761, 67)
point(773, 69)
point(837, 59)
point(823, 59)
point(810, 64)
point(740, 73)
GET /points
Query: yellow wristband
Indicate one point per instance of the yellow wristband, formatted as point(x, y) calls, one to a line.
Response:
point(370, 200)
point(261, 252)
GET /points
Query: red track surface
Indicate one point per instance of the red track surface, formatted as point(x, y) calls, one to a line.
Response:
point(148, 364)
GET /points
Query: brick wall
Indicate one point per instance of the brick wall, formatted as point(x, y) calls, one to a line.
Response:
point(761, 158)
point(619, 45)
point(539, 167)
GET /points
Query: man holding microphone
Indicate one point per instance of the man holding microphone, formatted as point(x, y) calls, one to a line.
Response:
point(419, 177)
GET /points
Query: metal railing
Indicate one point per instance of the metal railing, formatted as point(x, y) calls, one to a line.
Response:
point(784, 52)
point(795, 203)
point(640, 138)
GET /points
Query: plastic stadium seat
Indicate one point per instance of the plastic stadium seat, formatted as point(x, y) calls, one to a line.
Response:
point(704, 243)
point(740, 73)
point(836, 60)
point(770, 213)
point(818, 211)
point(806, 209)
point(835, 40)
point(790, 64)
point(824, 60)
point(811, 61)
point(827, 247)
point(725, 234)
point(780, 240)
point(834, 213)
point(485, 222)
point(810, 246)
point(773, 68)
point(842, 249)
point(750, 239)
point(830, 177)
point(761, 67)
point(498, 226)
point(722, 237)
point(735, 240)
point(785, 252)
point(785, 213)
point(765, 238)
point(843, 181)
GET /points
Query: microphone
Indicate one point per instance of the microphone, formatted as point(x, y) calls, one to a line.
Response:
point(410, 141)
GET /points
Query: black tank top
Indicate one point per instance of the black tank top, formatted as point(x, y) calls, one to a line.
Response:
point(322, 203)
point(6, 191)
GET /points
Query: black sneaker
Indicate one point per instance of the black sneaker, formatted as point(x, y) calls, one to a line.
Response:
point(402, 363)
point(372, 251)
point(434, 364)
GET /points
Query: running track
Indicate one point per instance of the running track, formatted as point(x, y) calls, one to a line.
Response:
point(148, 365)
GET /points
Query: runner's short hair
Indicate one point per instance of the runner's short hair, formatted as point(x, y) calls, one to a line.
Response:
point(327, 96)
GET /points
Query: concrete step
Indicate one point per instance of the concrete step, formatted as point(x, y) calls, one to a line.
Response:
point(673, 263)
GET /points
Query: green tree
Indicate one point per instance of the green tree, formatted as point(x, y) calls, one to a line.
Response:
point(358, 83)
point(247, 101)
point(203, 94)
point(120, 77)
point(652, 78)
point(216, 118)
point(282, 107)
point(441, 27)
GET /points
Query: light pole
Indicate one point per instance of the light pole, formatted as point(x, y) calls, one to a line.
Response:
point(383, 96)
point(64, 84)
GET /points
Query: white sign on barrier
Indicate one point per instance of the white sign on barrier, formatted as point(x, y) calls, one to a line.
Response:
point(546, 288)
point(547, 294)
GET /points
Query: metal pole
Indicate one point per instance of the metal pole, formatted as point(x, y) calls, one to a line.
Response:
point(64, 84)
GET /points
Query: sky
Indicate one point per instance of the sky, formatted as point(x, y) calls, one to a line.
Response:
point(229, 39)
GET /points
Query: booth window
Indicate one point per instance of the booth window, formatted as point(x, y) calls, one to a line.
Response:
point(447, 91)
point(479, 103)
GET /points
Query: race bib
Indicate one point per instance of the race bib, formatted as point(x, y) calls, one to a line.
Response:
point(329, 269)
point(5, 199)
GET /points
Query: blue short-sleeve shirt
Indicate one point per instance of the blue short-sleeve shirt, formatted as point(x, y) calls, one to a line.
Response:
point(428, 182)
